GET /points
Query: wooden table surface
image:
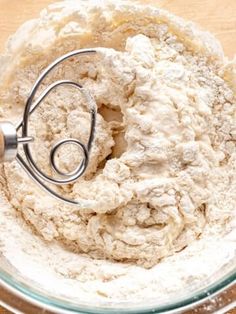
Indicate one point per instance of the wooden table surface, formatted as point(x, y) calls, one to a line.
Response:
point(217, 16)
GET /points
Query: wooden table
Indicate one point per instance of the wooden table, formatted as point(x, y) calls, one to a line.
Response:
point(217, 16)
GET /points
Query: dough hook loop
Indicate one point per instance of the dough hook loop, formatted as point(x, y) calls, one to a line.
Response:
point(9, 139)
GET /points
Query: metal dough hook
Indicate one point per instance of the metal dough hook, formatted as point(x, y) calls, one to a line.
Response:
point(9, 139)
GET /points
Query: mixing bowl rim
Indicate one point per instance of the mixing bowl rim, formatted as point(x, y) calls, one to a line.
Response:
point(34, 296)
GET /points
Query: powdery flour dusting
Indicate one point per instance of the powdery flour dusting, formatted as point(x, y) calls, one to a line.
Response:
point(160, 190)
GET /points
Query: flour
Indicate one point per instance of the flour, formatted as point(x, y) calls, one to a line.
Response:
point(162, 175)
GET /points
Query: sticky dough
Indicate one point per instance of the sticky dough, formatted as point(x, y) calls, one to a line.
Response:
point(165, 129)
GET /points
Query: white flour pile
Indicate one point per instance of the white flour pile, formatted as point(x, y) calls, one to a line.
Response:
point(162, 174)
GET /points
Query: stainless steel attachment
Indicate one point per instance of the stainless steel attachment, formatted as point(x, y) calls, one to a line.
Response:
point(9, 139)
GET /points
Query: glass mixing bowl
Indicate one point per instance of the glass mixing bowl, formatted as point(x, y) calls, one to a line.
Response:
point(216, 292)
